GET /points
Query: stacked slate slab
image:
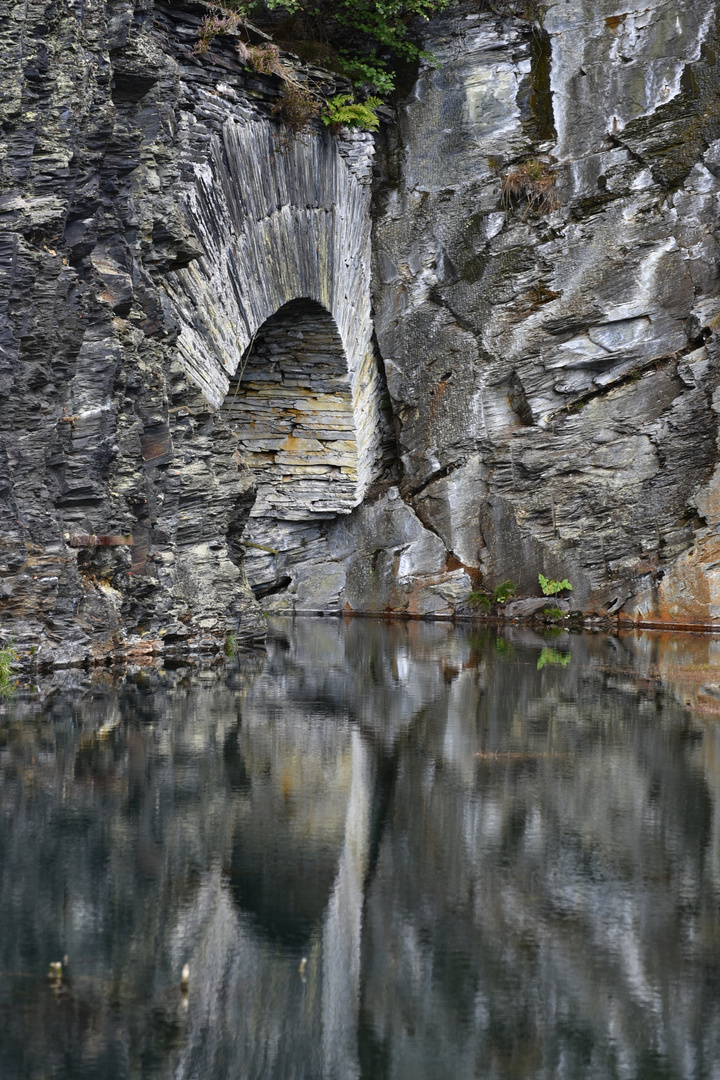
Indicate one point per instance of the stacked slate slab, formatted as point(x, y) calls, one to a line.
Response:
point(290, 408)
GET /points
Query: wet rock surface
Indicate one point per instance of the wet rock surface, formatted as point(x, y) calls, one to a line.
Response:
point(131, 290)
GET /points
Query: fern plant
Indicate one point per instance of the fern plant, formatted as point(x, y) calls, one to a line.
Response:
point(341, 109)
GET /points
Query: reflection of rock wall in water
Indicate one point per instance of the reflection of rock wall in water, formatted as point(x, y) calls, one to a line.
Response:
point(514, 856)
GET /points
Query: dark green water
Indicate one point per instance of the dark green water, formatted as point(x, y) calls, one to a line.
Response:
point(384, 850)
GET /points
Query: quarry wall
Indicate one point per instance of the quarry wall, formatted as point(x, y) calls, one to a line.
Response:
point(241, 372)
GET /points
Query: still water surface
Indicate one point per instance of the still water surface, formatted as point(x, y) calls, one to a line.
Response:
point(397, 851)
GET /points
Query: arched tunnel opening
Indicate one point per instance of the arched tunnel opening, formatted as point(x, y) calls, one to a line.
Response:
point(309, 427)
point(290, 406)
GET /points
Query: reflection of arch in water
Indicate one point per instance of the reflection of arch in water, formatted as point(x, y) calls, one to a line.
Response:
point(287, 846)
point(292, 406)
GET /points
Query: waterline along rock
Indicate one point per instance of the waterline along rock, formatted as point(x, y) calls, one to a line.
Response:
point(244, 371)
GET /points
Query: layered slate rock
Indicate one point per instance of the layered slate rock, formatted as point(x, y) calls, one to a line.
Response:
point(547, 299)
point(277, 223)
point(127, 307)
point(290, 408)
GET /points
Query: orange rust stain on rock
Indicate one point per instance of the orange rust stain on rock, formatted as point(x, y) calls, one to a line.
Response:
point(453, 563)
point(139, 650)
point(689, 593)
point(613, 21)
point(438, 394)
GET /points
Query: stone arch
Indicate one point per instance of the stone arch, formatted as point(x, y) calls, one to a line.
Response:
point(290, 408)
point(277, 228)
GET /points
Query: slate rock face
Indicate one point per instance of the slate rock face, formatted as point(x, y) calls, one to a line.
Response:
point(547, 300)
point(542, 394)
point(126, 308)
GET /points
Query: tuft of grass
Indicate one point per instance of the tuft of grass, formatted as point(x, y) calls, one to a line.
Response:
point(479, 600)
point(8, 659)
point(504, 591)
point(231, 647)
point(531, 185)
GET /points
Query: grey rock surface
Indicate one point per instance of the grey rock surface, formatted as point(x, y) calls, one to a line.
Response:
point(562, 336)
point(152, 220)
point(542, 393)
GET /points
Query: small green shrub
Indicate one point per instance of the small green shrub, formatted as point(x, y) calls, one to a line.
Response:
point(364, 73)
point(231, 645)
point(8, 659)
point(553, 613)
point(362, 40)
point(551, 587)
point(341, 109)
point(480, 601)
point(297, 107)
point(504, 591)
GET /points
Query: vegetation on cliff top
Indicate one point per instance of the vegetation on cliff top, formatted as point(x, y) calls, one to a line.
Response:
point(360, 39)
point(366, 41)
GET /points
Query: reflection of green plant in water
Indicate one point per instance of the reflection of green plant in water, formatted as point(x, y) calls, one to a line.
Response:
point(551, 587)
point(231, 645)
point(552, 656)
point(504, 591)
point(502, 645)
point(478, 642)
point(8, 659)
